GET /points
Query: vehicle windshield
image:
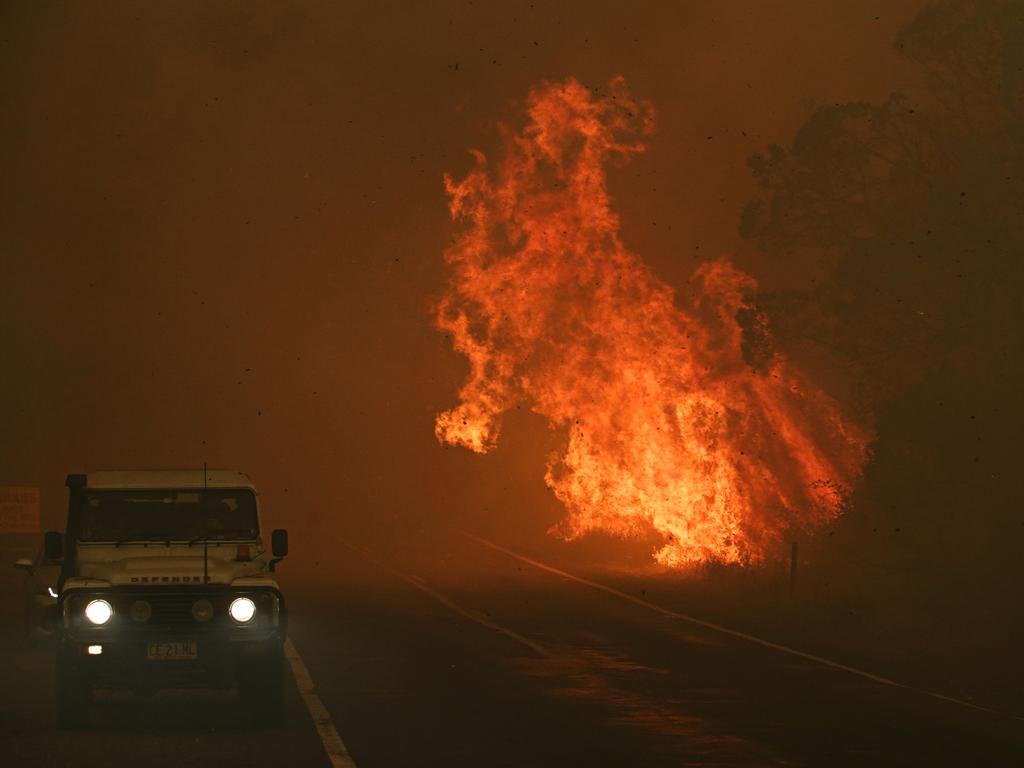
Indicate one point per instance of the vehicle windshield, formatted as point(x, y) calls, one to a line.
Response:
point(185, 515)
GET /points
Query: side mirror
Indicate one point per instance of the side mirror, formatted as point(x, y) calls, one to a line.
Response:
point(279, 542)
point(24, 564)
point(53, 546)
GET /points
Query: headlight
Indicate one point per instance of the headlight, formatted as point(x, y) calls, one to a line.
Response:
point(242, 609)
point(140, 611)
point(202, 610)
point(98, 611)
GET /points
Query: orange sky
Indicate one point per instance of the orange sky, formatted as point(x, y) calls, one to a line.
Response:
point(221, 223)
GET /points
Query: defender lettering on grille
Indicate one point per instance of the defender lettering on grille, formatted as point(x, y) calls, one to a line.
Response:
point(166, 579)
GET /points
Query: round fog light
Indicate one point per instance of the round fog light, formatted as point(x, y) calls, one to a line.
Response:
point(98, 611)
point(242, 609)
point(140, 611)
point(202, 610)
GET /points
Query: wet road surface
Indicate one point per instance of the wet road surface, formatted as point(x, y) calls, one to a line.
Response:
point(475, 658)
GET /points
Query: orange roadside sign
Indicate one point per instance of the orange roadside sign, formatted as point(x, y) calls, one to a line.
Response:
point(19, 509)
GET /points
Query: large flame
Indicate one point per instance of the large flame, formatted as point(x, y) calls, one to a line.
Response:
point(679, 417)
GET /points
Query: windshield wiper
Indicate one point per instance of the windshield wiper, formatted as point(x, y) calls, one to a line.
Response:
point(235, 533)
point(119, 542)
point(145, 538)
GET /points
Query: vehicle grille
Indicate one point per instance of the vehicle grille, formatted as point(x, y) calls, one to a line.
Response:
point(172, 609)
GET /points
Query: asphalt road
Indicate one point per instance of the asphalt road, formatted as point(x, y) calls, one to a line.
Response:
point(470, 657)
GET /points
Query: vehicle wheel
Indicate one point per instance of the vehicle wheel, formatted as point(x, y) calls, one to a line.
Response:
point(262, 690)
point(74, 697)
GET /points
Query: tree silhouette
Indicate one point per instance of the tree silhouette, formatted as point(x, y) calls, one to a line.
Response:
point(917, 203)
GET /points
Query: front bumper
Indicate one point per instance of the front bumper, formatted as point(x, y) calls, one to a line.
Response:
point(226, 653)
point(124, 663)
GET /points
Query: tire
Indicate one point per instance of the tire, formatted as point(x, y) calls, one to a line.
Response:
point(262, 690)
point(73, 696)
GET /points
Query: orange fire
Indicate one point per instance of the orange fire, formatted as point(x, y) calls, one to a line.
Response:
point(673, 423)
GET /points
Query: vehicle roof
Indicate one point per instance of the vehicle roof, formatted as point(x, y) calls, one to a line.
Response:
point(160, 479)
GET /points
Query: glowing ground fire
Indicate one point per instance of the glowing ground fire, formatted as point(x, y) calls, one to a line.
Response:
point(679, 416)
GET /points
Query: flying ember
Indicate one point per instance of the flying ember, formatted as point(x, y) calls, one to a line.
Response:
point(679, 417)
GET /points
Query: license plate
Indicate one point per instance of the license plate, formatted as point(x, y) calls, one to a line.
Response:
point(177, 650)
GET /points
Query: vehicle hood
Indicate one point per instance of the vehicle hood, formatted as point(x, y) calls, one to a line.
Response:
point(157, 564)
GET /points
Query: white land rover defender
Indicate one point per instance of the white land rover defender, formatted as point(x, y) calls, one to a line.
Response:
point(166, 583)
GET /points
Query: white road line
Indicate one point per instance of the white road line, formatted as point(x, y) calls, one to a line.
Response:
point(446, 601)
point(335, 748)
point(726, 630)
point(476, 616)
